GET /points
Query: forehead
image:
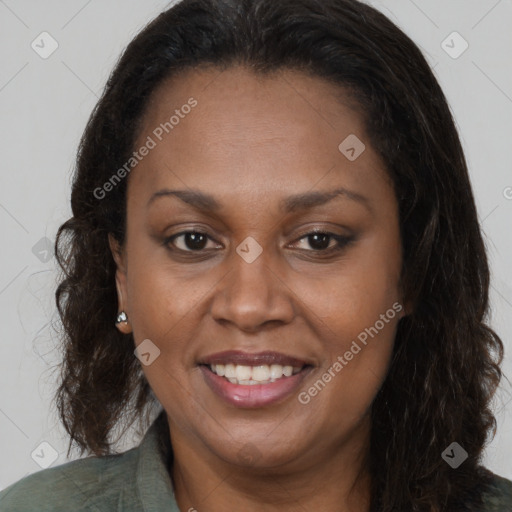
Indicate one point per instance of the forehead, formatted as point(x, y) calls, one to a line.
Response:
point(247, 133)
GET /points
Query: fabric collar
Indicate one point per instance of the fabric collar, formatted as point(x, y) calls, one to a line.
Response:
point(154, 484)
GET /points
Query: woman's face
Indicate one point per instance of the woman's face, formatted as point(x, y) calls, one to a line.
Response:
point(256, 161)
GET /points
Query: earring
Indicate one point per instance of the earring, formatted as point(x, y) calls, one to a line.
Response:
point(121, 317)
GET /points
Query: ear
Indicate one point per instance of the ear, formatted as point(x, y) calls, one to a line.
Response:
point(122, 290)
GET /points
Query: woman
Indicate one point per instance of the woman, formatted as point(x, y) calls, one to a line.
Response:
point(272, 207)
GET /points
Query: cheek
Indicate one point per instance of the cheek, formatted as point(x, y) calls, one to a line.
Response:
point(160, 293)
point(165, 310)
point(358, 357)
point(354, 295)
point(167, 304)
point(356, 312)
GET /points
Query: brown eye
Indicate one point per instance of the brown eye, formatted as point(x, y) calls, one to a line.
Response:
point(190, 241)
point(320, 241)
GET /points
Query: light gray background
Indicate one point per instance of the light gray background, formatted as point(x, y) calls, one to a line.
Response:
point(45, 103)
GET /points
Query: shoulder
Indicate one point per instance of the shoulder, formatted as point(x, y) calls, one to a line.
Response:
point(89, 484)
point(498, 498)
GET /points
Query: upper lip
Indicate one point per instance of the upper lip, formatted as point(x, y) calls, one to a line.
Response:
point(253, 359)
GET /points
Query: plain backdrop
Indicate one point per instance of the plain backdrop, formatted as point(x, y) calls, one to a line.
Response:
point(45, 103)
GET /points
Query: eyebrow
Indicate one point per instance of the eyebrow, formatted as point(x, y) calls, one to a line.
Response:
point(307, 200)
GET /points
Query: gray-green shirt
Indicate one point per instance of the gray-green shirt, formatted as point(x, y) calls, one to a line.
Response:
point(134, 481)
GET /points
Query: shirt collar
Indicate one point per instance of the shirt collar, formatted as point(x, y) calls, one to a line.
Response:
point(154, 484)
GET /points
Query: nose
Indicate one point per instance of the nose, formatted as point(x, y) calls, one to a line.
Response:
point(252, 296)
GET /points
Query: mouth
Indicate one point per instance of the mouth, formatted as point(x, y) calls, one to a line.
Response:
point(248, 369)
point(253, 380)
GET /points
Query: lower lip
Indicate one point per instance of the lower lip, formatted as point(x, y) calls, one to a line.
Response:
point(256, 395)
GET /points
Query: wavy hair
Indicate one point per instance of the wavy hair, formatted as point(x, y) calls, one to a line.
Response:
point(446, 361)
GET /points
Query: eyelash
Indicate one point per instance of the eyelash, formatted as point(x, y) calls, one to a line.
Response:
point(341, 242)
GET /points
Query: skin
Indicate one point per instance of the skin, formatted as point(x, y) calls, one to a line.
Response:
point(251, 142)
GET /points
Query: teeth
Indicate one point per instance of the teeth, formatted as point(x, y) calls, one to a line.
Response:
point(229, 371)
point(276, 370)
point(261, 373)
point(243, 372)
point(250, 375)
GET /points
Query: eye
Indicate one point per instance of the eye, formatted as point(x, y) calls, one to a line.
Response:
point(190, 241)
point(321, 241)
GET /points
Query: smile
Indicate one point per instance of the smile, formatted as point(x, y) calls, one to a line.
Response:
point(278, 383)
